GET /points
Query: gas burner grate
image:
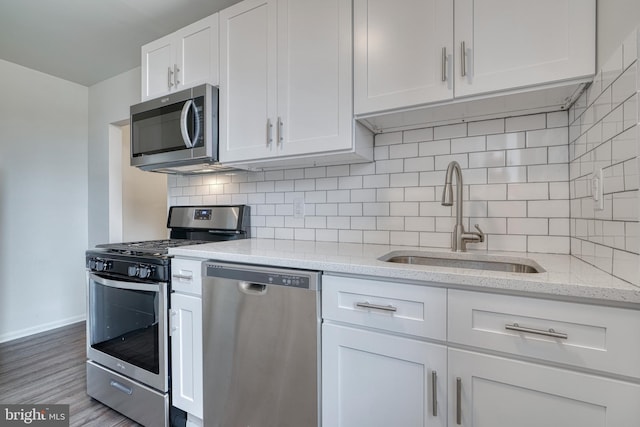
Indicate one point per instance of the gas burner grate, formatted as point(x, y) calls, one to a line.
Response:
point(149, 247)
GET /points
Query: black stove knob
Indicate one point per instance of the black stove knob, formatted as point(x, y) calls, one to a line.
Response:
point(132, 270)
point(102, 265)
point(144, 272)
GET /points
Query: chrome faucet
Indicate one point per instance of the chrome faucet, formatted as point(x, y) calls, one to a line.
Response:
point(459, 237)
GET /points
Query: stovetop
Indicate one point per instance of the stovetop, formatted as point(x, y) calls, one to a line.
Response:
point(149, 247)
point(189, 225)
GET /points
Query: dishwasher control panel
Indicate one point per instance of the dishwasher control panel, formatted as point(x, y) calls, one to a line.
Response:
point(264, 276)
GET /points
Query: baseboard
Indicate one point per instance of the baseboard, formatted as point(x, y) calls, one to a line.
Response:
point(40, 328)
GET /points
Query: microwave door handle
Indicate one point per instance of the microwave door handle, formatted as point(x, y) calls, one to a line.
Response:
point(183, 124)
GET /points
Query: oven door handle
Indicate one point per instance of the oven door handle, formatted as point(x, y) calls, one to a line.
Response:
point(121, 284)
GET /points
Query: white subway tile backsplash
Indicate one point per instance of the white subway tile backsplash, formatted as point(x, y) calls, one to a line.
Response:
point(388, 138)
point(468, 145)
point(529, 191)
point(524, 123)
point(625, 85)
point(403, 151)
point(376, 237)
point(507, 209)
point(546, 173)
point(506, 141)
point(487, 159)
point(450, 131)
point(488, 192)
point(528, 156)
point(557, 119)
point(441, 162)
point(507, 175)
point(487, 127)
point(434, 148)
point(604, 135)
point(390, 166)
point(418, 135)
point(548, 209)
point(499, 242)
point(527, 183)
point(547, 137)
point(536, 226)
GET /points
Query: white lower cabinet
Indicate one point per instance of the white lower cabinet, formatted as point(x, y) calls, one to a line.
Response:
point(379, 380)
point(495, 360)
point(186, 354)
point(490, 391)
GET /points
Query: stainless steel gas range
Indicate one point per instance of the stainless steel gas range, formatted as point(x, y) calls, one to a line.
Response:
point(128, 302)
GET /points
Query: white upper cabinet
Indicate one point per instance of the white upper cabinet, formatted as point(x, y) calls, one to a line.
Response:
point(518, 43)
point(183, 59)
point(402, 53)
point(418, 52)
point(285, 81)
point(247, 80)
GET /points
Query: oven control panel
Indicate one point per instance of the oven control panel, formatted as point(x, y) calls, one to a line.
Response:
point(127, 267)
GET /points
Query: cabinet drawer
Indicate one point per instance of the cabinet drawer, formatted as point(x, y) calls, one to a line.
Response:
point(408, 309)
point(186, 275)
point(587, 336)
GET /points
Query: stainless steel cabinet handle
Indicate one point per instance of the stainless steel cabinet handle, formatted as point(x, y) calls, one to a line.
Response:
point(444, 64)
point(463, 59)
point(182, 277)
point(169, 75)
point(548, 333)
point(434, 393)
point(369, 306)
point(280, 131)
point(269, 132)
point(175, 74)
point(459, 401)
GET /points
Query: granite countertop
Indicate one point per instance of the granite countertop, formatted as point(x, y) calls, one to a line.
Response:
point(566, 277)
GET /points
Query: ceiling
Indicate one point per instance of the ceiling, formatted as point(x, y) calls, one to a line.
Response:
point(87, 41)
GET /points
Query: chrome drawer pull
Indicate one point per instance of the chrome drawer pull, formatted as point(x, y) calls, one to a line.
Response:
point(126, 390)
point(182, 277)
point(434, 393)
point(367, 305)
point(459, 401)
point(548, 333)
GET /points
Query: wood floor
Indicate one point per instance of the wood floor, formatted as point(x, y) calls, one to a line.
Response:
point(49, 368)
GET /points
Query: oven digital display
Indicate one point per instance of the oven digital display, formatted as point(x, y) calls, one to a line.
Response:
point(202, 214)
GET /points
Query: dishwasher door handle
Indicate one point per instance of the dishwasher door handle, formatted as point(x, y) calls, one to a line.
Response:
point(252, 288)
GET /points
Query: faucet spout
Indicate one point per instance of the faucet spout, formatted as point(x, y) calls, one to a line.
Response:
point(459, 237)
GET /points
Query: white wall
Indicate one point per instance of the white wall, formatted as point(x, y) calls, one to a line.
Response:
point(144, 199)
point(109, 103)
point(43, 201)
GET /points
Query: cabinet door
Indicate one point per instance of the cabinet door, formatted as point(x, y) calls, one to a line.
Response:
point(518, 43)
point(314, 76)
point(499, 392)
point(157, 68)
point(403, 53)
point(186, 353)
point(247, 80)
point(381, 380)
point(197, 53)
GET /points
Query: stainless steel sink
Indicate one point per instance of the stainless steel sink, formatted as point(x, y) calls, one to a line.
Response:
point(472, 261)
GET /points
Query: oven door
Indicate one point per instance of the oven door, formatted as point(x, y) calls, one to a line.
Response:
point(127, 328)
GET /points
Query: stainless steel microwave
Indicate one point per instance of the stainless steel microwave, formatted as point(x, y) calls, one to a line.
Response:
point(176, 133)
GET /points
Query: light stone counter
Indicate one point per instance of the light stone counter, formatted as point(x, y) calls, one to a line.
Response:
point(566, 277)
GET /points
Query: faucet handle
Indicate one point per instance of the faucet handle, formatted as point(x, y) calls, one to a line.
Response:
point(481, 233)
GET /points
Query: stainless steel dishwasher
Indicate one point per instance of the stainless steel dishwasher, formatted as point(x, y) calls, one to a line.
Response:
point(261, 344)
